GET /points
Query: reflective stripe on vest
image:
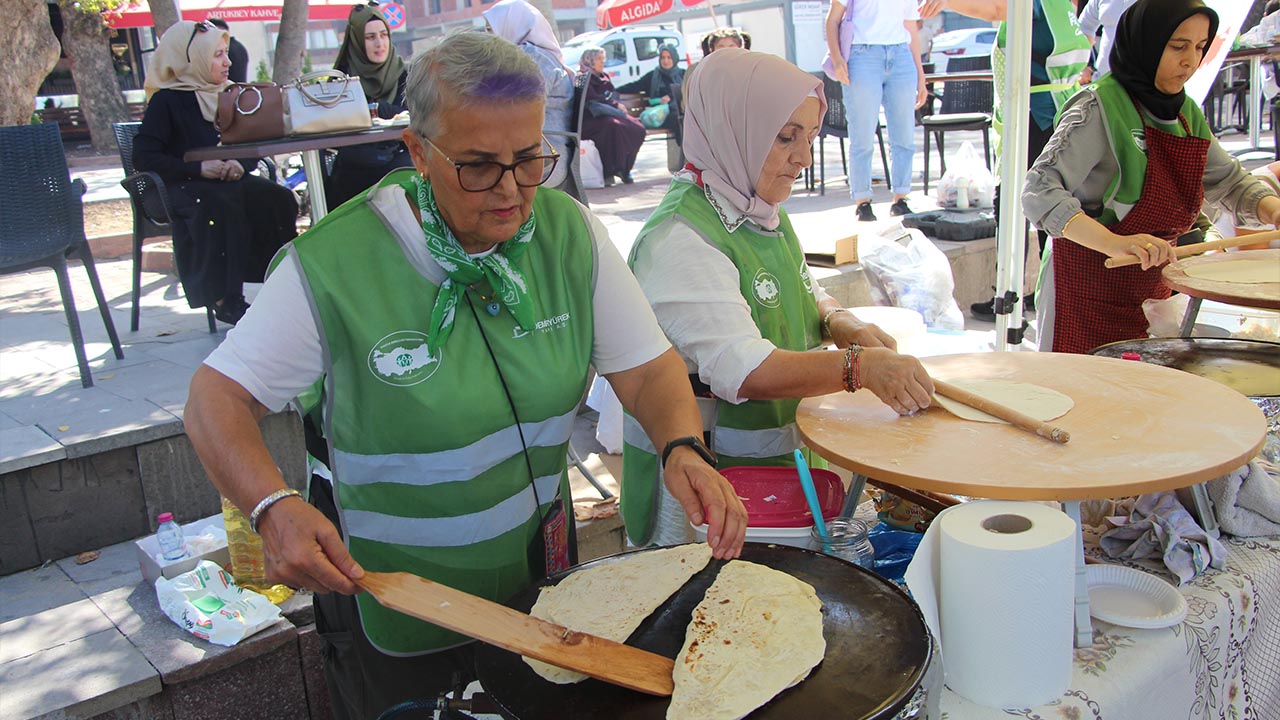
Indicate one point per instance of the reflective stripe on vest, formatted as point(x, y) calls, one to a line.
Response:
point(765, 443)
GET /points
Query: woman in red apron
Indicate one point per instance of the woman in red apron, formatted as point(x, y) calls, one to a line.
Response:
point(1129, 166)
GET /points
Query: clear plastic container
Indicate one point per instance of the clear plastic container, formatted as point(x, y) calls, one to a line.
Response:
point(846, 539)
point(169, 538)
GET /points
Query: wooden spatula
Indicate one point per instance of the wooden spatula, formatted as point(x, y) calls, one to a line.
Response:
point(511, 630)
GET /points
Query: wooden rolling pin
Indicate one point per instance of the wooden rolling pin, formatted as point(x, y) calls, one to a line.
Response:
point(1005, 413)
point(1188, 250)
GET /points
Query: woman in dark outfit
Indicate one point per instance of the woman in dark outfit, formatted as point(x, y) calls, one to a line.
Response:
point(227, 224)
point(662, 85)
point(368, 54)
point(606, 122)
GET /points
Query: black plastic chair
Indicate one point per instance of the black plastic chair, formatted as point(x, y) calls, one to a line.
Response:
point(966, 105)
point(836, 124)
point(572, 183)
point(151, 214)
point(42, 222)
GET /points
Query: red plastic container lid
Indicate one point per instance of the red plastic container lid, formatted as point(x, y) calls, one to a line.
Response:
point(774, 498)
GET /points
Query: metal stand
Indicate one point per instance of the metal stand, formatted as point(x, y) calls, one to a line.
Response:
point(1084, 625)
point(1189, 318)
point(582, 468)
point(315, 184)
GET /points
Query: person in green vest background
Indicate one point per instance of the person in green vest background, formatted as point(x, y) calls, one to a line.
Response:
point(1059, 54)
point(1126, 173)
point(449, 315)
point(727, 278)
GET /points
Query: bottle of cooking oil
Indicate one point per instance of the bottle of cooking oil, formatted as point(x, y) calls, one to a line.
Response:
point(248, 562)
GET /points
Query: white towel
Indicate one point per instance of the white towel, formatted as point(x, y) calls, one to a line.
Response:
point(1159, 527)
point(1246, 502)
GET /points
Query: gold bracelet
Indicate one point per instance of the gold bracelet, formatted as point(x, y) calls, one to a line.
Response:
point(1069, 221)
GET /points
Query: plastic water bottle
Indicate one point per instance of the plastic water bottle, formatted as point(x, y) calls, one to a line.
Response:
point(169, 536)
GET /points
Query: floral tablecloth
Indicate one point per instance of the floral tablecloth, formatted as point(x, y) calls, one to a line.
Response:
point(1223, 661)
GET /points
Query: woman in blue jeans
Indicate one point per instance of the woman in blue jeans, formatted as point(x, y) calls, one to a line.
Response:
point(879, 64)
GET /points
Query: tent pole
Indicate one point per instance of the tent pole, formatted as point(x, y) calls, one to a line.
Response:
point(1010, 243)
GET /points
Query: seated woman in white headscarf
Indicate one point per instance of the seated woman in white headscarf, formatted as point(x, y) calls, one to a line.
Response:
point(520, 23)
point(726, 276)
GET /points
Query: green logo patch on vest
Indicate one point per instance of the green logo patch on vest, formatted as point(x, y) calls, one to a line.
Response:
point(401, 358)
point(766, 289)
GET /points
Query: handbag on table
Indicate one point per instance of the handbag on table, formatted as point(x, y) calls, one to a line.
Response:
point(325, 101)
point(249, 112)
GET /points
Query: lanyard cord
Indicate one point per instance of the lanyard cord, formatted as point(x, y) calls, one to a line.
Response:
point(523, 445)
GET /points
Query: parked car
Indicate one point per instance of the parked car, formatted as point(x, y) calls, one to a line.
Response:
point(630, 52)
point(960, 43)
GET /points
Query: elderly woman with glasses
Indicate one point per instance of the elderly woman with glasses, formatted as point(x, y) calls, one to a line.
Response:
point(440, 333)
point(227, 224)
point(617, 135)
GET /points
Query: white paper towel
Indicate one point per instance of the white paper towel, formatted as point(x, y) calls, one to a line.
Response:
point(996, 583)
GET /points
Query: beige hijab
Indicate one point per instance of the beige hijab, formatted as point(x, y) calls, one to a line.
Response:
point(735, 103)
point(170, 70)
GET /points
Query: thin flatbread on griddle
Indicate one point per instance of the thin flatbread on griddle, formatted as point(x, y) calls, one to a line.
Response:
point(612, 600)
point(757, 632)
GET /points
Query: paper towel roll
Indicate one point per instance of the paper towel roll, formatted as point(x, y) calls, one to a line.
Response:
point(1004, 593)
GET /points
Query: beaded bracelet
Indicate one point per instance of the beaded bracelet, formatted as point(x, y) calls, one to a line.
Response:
point(852, 368)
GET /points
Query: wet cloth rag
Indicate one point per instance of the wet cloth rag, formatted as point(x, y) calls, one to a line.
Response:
point(1159, 527)
point(1246, 502)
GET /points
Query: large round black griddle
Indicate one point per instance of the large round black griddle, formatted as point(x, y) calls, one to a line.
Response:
point(1249, 366)
point(877, 649)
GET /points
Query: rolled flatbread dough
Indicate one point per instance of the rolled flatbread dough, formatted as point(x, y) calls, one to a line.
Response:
point(611, 600)
point(1039, 402)
point(1237, 271)
point(757, 632)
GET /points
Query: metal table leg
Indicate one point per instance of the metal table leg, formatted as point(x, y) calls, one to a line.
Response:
point(1084, 625)
point(315, 184)
point(1189, 319)
point(856, 487)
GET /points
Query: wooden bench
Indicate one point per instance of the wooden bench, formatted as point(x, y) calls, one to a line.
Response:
point(636, 104)
point(72, 123)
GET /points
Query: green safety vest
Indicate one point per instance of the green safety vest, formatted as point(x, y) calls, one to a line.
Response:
point(775, 281)
point(1124, 126)
point(428, 471)
point(1069, 57)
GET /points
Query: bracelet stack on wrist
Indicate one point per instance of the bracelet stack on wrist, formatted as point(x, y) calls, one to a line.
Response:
point(853, 368)
point(826, 319)
point(267, 502)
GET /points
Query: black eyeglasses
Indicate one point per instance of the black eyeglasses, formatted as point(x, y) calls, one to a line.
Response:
point(199, 27)
point(482, 175)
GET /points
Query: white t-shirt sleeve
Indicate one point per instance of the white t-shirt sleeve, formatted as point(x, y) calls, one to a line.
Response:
point(627, 334)
point(911, 10)
point(274, 351)
point(694, 290)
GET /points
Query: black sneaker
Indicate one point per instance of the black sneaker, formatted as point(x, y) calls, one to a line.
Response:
point(984, 310)
point(899, 207)
point(608, 181)
point(231, 310)
point(865, 213)
point(627, 179)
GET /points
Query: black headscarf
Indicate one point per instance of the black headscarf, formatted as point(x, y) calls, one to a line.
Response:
point(1141, 35)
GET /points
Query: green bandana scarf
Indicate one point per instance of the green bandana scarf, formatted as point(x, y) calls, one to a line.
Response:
point(463, 270)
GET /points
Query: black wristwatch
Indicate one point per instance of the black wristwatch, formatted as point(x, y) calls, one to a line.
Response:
point(692, 441)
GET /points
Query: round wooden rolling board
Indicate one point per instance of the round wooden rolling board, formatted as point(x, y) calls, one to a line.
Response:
point(1258, 295)
point(1135, 428)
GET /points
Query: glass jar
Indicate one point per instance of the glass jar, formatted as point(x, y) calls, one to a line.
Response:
point(846, 539)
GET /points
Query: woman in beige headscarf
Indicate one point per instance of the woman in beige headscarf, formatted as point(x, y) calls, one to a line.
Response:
point(227, 224)
point(726, 276)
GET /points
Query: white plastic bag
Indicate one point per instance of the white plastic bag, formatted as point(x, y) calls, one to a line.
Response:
point(609, 427)
point(208, 604)
point(967, 183)
point(906, 270)
point(1164, 317)
point(592, 168)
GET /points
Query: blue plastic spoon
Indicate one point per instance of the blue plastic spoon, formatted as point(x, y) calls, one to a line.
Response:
point(811, 494)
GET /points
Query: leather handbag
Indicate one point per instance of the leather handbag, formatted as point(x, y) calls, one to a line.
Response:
point(249, 112)
point(326, 101)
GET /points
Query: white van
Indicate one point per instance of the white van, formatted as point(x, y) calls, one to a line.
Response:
point(629, 52)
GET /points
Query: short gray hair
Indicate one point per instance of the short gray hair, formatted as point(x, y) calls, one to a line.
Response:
point(468, 66)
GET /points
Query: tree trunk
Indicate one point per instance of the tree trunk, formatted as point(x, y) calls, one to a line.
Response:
point(164, 13)
point(28, 51)
point(544, 7)
point(84, 35)
point(292, 42)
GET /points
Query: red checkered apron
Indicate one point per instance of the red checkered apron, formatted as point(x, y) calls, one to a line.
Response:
point(1093, 305)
